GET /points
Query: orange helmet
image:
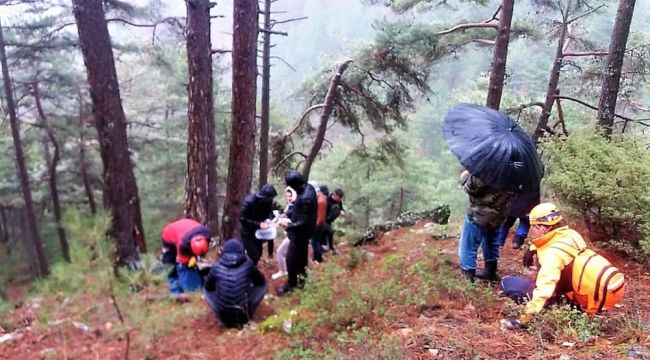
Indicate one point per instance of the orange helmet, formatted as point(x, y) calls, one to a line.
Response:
point(200, 245)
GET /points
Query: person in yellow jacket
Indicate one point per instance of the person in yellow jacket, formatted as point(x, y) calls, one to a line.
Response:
point(566, 268)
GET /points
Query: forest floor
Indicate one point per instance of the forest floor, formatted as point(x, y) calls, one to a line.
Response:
point(411, 313)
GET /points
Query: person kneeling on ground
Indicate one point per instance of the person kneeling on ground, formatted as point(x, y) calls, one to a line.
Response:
point(567, 269)
point(182, 242)
point(234, 286)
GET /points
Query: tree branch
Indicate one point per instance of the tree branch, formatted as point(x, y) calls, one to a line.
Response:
point(465, 26)
point(274, 32)
point(276, 22)
point(287, 157)
point(586, 53)
point(281, 59)
point(585, 14)
point(593, 107)
point(304, 116)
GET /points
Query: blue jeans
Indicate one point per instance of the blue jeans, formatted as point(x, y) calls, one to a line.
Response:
point(184, 279)
point(471, 237)
point(522, 228)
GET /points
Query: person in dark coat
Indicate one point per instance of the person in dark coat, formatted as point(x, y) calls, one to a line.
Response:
point(299, 226)
point(234, 286)
point(334, 210)
point(183, 241)
point(255, 210)
point(519, 210)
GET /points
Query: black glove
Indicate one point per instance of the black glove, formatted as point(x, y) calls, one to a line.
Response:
point(529, 258)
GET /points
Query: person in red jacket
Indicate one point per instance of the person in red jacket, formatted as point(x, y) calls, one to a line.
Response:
point(182, 242)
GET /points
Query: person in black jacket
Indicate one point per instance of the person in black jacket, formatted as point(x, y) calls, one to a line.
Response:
point(234, 286)
point(334, 210)
point(299, 226)
point(255, 210)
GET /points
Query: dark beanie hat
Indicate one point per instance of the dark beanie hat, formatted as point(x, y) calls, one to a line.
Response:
point(267, 192)
point(232, 246)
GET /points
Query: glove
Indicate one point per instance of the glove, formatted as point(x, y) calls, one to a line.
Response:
point(192, 262)
point(529, 258)
point(510, 324)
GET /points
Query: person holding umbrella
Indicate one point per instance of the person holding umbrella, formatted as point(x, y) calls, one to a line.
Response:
point(500, 162)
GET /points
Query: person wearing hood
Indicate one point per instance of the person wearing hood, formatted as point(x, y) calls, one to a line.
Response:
point(299, 226)
point(318, 237)
point(234, 286)
point(182, 242)
point(256, 209)
point(567, 269)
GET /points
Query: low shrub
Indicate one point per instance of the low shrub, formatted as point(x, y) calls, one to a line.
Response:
point(606, 183)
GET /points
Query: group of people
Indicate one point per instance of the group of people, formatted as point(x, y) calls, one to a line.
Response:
point(567, 270)
point(233, 286)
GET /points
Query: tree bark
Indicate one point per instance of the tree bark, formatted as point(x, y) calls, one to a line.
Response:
point(615, 57)
point(83, 166)
point(201, 176)
point(39, 266)
point(52, 164)
point(120, 189)
point(551, 90)
point(266, 78)
point(324, 118)
point(498, 72)
point(242, 136)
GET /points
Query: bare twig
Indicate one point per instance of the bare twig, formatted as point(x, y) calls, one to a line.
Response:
point(274, 32)
point(304, 116)
point(284, 61)
point(276, 22)
point(465, 26)
point(585, 14)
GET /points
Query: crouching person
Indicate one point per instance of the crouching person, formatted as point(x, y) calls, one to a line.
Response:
point(182, 242)
point(234, 286)
point(567, 268)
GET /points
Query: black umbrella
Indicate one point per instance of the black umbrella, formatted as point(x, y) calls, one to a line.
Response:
point(492, 147)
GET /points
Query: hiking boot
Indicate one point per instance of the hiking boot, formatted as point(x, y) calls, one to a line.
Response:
point(283, 290)
point(489, 273)
point(469, 274)
point(517, 241)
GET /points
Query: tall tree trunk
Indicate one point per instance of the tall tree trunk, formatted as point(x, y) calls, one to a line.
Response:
point(324, 118)
point(551, 90)
point(83, 165)
point(266, 79)
point(498, 72)
point(34, 242)
point(611, 82)
point(242, 136)
point(400, 204)
point(120, 188)
point(52, 164)
point(201, 177)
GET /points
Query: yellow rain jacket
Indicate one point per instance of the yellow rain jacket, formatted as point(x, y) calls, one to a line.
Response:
point(568, 267)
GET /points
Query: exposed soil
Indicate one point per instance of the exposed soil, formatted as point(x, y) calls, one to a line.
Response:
point(88, 327)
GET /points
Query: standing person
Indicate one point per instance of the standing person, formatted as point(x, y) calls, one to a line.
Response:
point(487, 210)
point(182, 241)
point(318, 237)
point(334, 210)
point(567, 268)
point(234, 286)
point(299, 226)
point(281, 253)
point(519, 210)
point(255, 210)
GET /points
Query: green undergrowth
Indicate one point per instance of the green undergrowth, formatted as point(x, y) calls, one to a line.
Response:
point(88, 289)
point(346, 311)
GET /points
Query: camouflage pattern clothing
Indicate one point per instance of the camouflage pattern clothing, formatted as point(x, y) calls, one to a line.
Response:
point(488, 207)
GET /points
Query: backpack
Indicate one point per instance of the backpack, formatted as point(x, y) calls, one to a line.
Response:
point(597, 284)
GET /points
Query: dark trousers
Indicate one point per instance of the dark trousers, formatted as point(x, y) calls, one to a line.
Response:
point(297, 258)
point(235, 316)
point(316, 244)
point(269, 244)
point(252, 246)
